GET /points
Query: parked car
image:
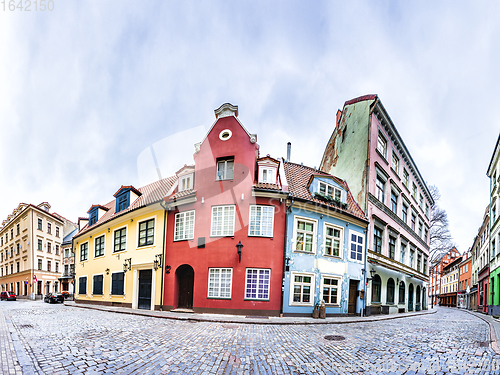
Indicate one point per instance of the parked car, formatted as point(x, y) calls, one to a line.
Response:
point(53, 298)
point(9, 296)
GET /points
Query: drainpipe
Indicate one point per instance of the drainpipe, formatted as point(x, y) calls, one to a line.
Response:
point(164, 252)
point(284, 255)
point(365, 286)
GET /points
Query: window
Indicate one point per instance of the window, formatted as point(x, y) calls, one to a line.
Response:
point(377, 240)
point(414, 190)
point(402, 293)
point(268, 176)
point(333, 241)
point(467, 268)
point(97, 285)
point(49, 265)
point(413, 221)
point(392, 247)
point(219, 282)
point(261, 221)
point(376, 288)
point(412, 256)
point(99, 246)
point(120, 240)
point(57, 249)
point(186, 182)
point(395, 163)
point(382, 145)
point(356, 247)
point(93, 216)
point(84, 251)
point(403, 252)
point(57, 267)
point(493, 250)
point(302, 285)
point(421, 200)
point(17, 229)
point(426, 210)
point(257, 283)
point(49, 228)
point(379, 189)
point(57, 231)
point(420, 229)
point(390, 290)
point(184, 226)
point(39, 245)
point(117, 283)
point(39, 224)
point(330, 191)
point(18, 267)
point(330, 290)
point(304, 235)
point(419, 262)
point(122, 201)
point(225, 169)
point(394, 202)
point(146, 232)
point(39, 264)
point(222, 221)
point(49, 247)
point(17, 249)
point(82, 285)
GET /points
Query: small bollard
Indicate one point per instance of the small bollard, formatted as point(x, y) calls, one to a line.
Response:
point(315, 313)
point(322, 310)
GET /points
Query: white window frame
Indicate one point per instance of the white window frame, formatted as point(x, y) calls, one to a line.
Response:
point(359, 235)
point(382, 146)
point(296, 219)
point(218, 295)
point(292, 289)
point(261, 223)
point(402, 254)
point(406, 178)
point(213, 232)
point(218, 175)
point(395, 162)
point(185, 182)
point(187, 234)
point(335, 190)
point(104, 244)
point(341, 240)
point(126, 238)
point(383, 181)
point(258, 284)
point(154, 232)
point(339, 288)
point(269, 171)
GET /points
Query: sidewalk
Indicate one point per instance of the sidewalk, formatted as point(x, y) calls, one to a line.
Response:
point(494, 328)
point(241, 319)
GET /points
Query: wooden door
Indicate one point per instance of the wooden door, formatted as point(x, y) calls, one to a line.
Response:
point(353, 296)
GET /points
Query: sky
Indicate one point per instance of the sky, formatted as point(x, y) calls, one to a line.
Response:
point(95, 95)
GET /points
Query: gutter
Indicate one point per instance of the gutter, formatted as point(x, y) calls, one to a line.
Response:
point(163, 250)
point(284, 256)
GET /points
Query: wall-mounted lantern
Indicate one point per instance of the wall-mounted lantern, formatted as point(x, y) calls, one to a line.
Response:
point(239, 246)
point(127, 266)
point(157, 261)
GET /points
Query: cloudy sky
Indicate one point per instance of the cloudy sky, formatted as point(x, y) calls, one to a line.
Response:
point(88, 89)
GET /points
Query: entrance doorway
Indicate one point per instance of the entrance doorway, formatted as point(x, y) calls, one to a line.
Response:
point(145, 281)
point(185, 281)
point(353, 296)
point(410, 298)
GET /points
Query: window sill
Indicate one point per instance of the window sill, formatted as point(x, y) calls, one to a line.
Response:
point(256, 299)
point(222, 236)
point(304, 252)
point(224, 298)
point(184, 239)
point(257, 235)
point(333, 256)
point(301, 304)
point(145, 247)
point(382, 156)
point(119, 251)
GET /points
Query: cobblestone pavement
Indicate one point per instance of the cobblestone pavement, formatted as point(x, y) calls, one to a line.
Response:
point(57, 339)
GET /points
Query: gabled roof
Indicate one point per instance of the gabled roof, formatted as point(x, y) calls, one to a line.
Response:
point(128, 187)
point(150, 194)
point(298, 177)
point(267, 157)
point(97, 206)
point(70, 236)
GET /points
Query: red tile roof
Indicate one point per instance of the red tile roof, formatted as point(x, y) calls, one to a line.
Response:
point(298, 177)
point(181, 194)
point(361, 99)
point(267, 186)
point(151, 193)
point(127, 187)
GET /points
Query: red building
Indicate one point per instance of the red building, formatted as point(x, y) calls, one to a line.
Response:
point(226, 226)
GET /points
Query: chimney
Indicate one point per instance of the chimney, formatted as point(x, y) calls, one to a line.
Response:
point(288, 150)
point(339, 114)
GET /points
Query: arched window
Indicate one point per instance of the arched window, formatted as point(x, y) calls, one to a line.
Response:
point(376, 288)
point(390, 290)
point(418, 294)
point(402, 292)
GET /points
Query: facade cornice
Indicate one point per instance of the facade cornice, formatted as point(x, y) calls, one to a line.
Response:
point(395, 265)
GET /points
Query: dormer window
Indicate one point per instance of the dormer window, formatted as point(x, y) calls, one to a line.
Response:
point(124, 197)
point(186, 182)
point(93, 217)
point(330, 191)
point(225, 169)
point(122, 202)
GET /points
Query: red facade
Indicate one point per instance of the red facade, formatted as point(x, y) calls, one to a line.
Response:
point(189, 261)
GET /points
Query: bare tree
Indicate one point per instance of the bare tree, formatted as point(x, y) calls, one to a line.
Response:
point(440, 240)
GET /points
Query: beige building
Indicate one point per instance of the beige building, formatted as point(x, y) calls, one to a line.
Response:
point(30, 250)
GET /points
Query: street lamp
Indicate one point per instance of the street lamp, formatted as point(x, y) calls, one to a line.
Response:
point(239, 246)
point(127, 265)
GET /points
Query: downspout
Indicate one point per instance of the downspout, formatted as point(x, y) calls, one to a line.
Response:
point(32, 256)
point(164, 252)
point(365, 286)
point(284, 256)
point(489, 240)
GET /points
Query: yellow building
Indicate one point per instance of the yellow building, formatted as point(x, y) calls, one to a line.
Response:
point(119, 248)
point(30, 250)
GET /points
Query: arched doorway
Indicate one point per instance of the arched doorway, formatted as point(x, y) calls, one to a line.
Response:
point(390, 291)
point(185, 282)
point(417, 304)
point(376, 288)
point(424, 299)
point(410, 297)
point(402, 292)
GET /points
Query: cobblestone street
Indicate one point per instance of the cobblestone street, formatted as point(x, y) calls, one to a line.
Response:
point(57, 339)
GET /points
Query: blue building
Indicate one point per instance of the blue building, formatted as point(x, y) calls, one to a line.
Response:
point(325, 245)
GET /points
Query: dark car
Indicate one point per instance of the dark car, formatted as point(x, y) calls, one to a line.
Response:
point(9, 296)
point(53, 298)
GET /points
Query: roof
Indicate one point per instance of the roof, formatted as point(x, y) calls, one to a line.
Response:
point(70, 236)
point(127, 187)
point(151, 193)
point(267, 186)
point(181, 194)
point(97, 206)
point(361, 99)
point(298, 177)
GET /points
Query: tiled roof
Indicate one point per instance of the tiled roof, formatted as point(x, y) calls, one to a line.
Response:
point(298, 177)
point(360, 99)
point(151, 193)
point(267, 186)
point(182, 194)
